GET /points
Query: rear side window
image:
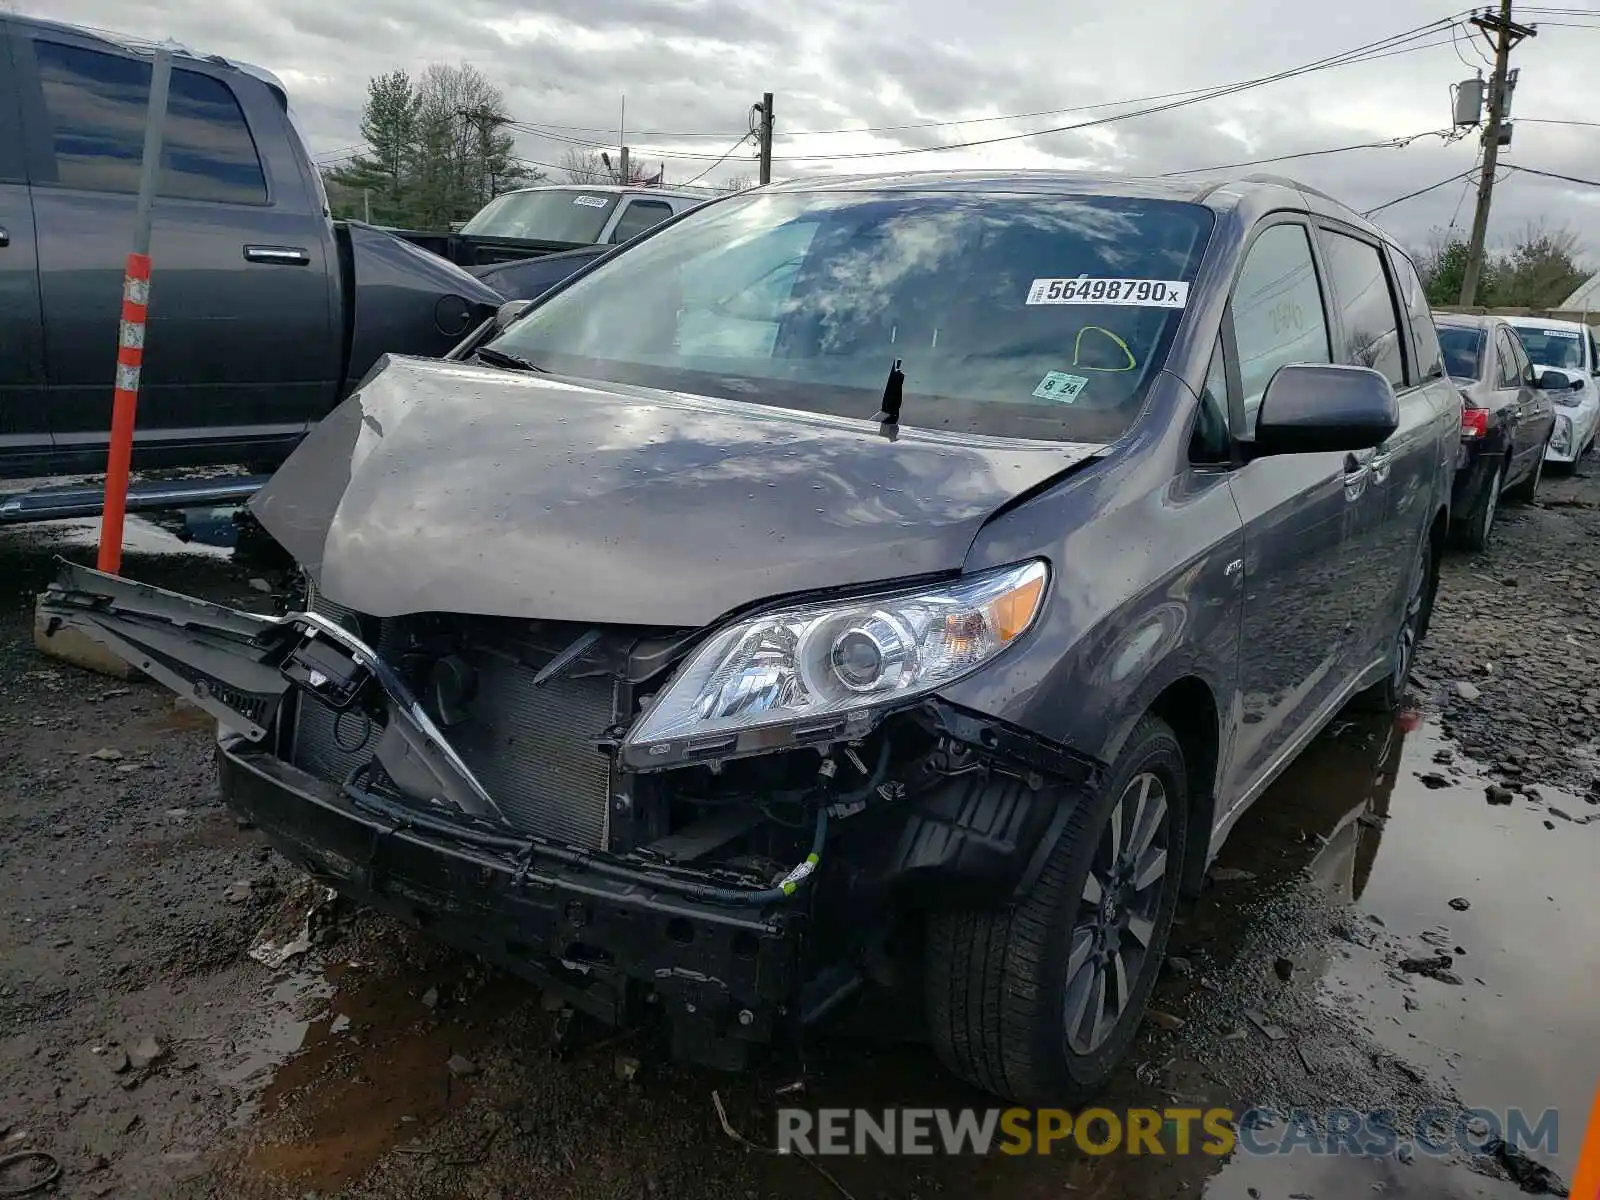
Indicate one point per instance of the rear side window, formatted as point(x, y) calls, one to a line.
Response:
point(1424, 334)
point(1277, 311)
point(639, 216)
point(1360, 288)
point(96, 105)
point(1509, 374)
point(1463, 351)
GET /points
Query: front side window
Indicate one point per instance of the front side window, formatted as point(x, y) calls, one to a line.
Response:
point(96, 104)
point(1277, 311)
point(1548, 346)
point(546, 215)
point(1463, 351)
point(1360, 289)
point(1010, 315)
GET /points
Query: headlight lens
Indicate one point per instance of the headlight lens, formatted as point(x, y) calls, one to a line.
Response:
point(825, 664)
point(1562, 438)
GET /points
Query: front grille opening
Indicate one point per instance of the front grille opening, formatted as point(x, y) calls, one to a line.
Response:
point(532, 748)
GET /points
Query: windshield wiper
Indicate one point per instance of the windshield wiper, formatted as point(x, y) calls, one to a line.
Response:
point(893, 390)
point(500, 358)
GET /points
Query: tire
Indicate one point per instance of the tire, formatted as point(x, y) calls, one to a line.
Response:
point(1472, 532)
point(997, 982)
point(1525, 491)
point(1389, 695)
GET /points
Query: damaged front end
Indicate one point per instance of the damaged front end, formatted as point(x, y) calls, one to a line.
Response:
point(690, 822)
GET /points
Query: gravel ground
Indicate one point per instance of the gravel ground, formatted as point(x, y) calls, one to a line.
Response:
point(143, 1049)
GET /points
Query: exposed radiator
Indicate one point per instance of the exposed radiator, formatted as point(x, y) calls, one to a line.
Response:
point(531, 748)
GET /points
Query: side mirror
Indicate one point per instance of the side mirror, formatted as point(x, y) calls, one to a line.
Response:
point(1552, 380)
point(1311, 408)
point(509, 312)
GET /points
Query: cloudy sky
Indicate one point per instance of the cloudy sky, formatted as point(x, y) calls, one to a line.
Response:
point(946, 71)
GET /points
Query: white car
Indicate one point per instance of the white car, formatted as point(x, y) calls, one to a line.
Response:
point(1569, 347)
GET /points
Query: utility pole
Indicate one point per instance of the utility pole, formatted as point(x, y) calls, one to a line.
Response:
point(1505, 34)
point(366, 205)
point(764, 132)
point(622, 167)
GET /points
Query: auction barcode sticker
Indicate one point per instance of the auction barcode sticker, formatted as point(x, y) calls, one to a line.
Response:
point(590, 201)
point(1139, 293)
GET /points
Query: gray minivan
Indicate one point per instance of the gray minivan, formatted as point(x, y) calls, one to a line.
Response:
point(867, 583)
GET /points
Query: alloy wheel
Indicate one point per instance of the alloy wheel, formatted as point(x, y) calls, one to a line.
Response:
point(1410, 628)
point(1117, 911)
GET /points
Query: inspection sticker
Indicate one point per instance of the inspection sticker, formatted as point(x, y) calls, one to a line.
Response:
point(590, 201)
point(1139, 293)
point(1057, 385)
point(1566, 333)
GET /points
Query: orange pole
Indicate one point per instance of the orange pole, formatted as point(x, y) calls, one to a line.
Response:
point(124, 403)
point(1586, 1184)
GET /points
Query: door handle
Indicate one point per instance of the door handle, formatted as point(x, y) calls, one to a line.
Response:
point(282, 256)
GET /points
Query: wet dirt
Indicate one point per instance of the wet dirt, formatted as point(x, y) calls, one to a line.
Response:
point(378, 1065)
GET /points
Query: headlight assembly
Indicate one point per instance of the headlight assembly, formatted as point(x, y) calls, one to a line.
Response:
point(815, 672)
point(1561, 440)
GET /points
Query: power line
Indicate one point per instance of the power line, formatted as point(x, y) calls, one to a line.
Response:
point(1555, 121)
point(1372, 51)
point(1553, 175)
point(1398, 143)
point(1421, 191)
point(742, 140)
point(1345, 58)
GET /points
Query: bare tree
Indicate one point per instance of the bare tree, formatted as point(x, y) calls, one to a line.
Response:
point(584, 166)
point(595, 166)
point(735, 183)
point(464, 157)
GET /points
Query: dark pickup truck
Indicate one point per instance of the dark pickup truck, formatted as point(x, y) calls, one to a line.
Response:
point(264, 313)
point(550, 218)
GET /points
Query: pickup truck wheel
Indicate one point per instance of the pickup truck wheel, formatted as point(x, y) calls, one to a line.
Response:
point(1472, 531)
point(1039, 1000)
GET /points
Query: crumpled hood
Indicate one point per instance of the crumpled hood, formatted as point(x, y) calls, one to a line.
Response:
point(451, 487)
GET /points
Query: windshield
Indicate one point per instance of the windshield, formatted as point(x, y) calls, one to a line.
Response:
point(1009, 315)
point(550, 215)
point(1463, 351)
point(1549, 347)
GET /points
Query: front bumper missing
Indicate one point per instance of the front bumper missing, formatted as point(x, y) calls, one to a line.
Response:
point(600, 931)
point(606, 945)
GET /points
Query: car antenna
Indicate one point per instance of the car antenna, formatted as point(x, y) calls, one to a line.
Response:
point(893, 388)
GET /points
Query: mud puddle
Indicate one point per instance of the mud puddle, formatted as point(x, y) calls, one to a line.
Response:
point(1351, 860)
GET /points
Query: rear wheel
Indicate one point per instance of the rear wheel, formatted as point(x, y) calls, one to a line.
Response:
point(1389, 695)
point(1473, 529)
point(1039, 1000)
point(1525, 491)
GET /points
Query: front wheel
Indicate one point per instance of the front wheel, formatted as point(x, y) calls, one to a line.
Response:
point(1038, 1001)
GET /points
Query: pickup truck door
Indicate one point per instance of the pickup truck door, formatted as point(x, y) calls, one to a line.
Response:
point(24, 417)
point(241, 349)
